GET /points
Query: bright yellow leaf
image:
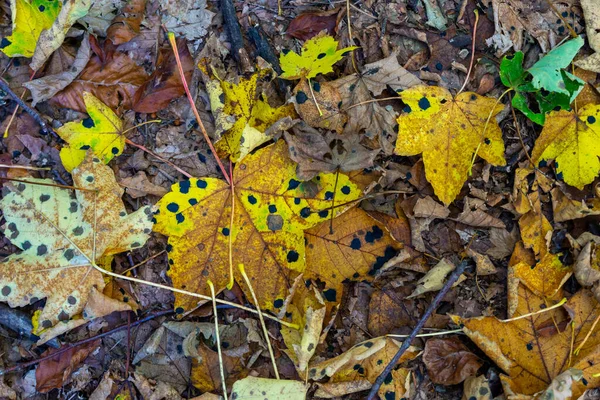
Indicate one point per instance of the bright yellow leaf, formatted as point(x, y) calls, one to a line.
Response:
point(573, 141)
point(29, 19)
point(101, 132)
point(532, 351)
point(448, 131)
point(242, 116)
point(317, 57)
point(272, 209)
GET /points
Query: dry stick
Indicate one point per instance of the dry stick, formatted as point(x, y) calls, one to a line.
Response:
point(218, 336)
point(25, 167)
point(27, 364)
point(512, 109)
point(171, 36)
point(406, 343)
point(34, 114)
point(472, 52)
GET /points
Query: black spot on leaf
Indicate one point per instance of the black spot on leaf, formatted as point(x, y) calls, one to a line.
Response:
point(42, 249)
point(424, 103)
point(330, 294)
point(88, 123)
point(292, 256)
point(301, 97)
point(173, 207)
point(252, 200)
point(278, 303)
point(44, 198)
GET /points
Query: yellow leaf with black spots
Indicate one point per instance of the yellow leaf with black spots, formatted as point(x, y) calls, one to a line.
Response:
point(448, 131)
point(102, 132)
point(272, 210)
point(572, 140)
point(61, 233)
point(242, 118)
point(317, 57)
point(29, 19)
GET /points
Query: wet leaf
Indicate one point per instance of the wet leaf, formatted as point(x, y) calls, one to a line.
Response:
point(269, 389)
point(60, 234)
point(448, 131)
point(126, 25)
point(309, 24)
point(449, 361)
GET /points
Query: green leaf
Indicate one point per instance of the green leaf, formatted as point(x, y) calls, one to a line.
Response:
point(512, 73)
point(519, 102)
point(547, 74)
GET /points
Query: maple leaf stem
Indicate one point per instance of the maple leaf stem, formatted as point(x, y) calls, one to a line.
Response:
point(260, 317)
point(314, 98)
point(230, 238)
point(25, 167)
point(476, 12)
point(428, 334)
point(140, 124)
point(557, 305)
point(171, 37)
point(218, 336)
point(406, 343)
point(514, 115)
point(153, 154)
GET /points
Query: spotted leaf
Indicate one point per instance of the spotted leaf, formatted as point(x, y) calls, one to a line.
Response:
point(448, 131)
point(29, 19)
point(60, 234)
point(317, 57)
point(272, 210)
point(572, 140)
point(101, 132)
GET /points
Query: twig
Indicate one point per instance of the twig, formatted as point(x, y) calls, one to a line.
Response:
point(232, 27)
point(46, 129)
point(406, 343)
point(512, 109)
point(218, 336)
point(27, 364)
point(472, 53)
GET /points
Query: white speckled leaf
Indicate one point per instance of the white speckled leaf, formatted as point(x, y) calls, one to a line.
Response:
point(59, 232)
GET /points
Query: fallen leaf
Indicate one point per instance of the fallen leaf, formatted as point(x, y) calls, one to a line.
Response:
point(364, 362)
point(426, 207)
point(592, 26)
point(309, 24)
point(434, 279)
point(272, 209)
point(164, 84)
point(54, 372)
point(100, 16)
point(474, 215)
point(246, 388)
point(113, 82)
point(241, 118)
point(126, 24)
point(449, 361)
point(503, 242)
point(565, 209)
point(532, 360)
point(101, 132)
point(44, 88)
point(59, 235)
point(322, 111)
point(482, 262)
point(29, 19)
point(572, 141)
point(477, 388)
point(51, 38)
point(191, 21)
point(389, 310)
point(356, 250)
point(587, 268)
point(139, 186)
point(317, 57)
point(316, 152)
point(448, 131)
point(534, 226)
point(206, 374)
point(560, 388)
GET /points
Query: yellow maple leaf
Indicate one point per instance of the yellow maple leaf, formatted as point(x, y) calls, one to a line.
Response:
point(242, 116)
point(29, 19)
point(61, 235)
point(101, 132)
point(317, 57)
point(573, 141)
point(448, 131)
point(272, 209)
point(531, 350)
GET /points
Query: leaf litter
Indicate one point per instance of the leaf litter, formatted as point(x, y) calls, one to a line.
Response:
point(361, 154)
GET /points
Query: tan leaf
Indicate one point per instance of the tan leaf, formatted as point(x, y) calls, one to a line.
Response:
point(449, 362)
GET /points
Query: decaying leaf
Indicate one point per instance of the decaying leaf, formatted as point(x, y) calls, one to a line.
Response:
point(566, 209)
point(316, 152)
point(434, 279)
point(190, 19)
point(101, 132)
point(357, 368)
point(324, 112)
point(61, 235)
point(561, 386)
point(272, 209)
point(572, 140)
point(29, 19)
point(308, 25)
point(448, 131)
point(249, 387)
point(592, 28)
point(531, 351)
point(587, 268)
point(317, 57)
point(477, 388)
point(206, 374)
point(126, 24)
point(449, 361)
point(139, 185)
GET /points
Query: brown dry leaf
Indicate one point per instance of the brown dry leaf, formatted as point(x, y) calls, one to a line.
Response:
point(565, 209)
point(534, 226)
point(357, 249)
point(503, 242)
point(483, 263)
point(364, 361)
point(592, 26)
point(533, 355)
point(205, 373)
point(164, 84)
point(389, 310)
point(473, 214)
point(114, 82)
point(316, 152)
point(54, 372)
point(308, 25)
point(589, 94)
point(139, 186)
point(587, 268)
point(429, 208)
point(328, 114)
point(126, 24)
point(449, 361)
